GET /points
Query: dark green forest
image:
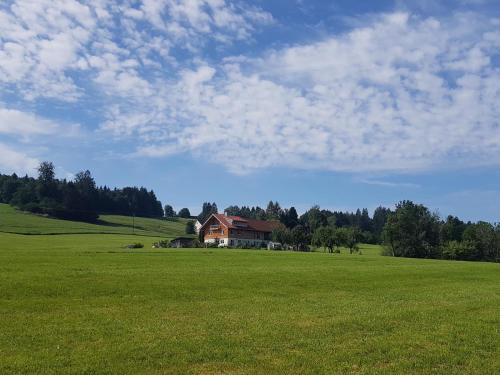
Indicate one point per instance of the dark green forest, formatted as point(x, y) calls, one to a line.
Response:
point(79, 199)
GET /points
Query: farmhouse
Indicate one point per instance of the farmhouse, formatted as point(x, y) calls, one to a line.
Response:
point(225, 230)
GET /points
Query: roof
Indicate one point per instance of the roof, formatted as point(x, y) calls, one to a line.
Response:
point(238, 222)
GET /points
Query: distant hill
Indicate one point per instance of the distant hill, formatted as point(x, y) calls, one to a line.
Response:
point(15, 221)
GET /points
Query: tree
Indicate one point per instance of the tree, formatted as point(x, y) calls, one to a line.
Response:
point(452, 229)
point(412, 231)
point(300, 238)
point(273, 210)
point(365, 222)
point(190, 229)
point(289, 217)
point(46, 172)
point(380, 216)
point(313, 219)
point(456, 250)
point(86, 187)
point(207, 210)
point(184, 213)
point(169, 211)
point(282, 235)
point(325, 237)
point(485, 239)
point(351, 239)
point(46, 186)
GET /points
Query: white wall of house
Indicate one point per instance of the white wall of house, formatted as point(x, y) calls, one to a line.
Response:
point(197, 227)
point(237, 241)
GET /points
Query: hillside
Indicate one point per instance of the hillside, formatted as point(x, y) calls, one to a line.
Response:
point(15, 221)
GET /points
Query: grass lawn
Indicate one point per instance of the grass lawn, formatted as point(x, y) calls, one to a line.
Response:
point(14, 221)
point(83, 304)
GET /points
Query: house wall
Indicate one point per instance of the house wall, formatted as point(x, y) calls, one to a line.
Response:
point(197, 227)
point(248, 234)
point(212, 234)
point(232, 236)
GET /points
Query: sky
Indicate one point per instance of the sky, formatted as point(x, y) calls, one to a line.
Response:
point(343, 104)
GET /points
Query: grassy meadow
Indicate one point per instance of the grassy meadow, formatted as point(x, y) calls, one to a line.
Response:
point(81, 303)
point(14, 221)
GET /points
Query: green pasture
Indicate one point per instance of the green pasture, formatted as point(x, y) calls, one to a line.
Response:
point(14, 221)
point(84, 304)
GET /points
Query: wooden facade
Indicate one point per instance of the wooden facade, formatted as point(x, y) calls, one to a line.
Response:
point(234, 231)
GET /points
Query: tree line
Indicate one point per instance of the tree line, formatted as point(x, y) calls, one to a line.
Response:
point(411, 230)
point(368, 229)
point(79, 199)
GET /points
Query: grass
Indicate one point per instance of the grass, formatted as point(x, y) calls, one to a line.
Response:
point(83, 304)
point(15, 221)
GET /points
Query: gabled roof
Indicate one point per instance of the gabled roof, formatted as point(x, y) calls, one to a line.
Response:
point(238, 222)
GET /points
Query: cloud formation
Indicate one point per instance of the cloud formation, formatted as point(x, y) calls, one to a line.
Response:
point(395, 93)
point(401, 94)
point(14, 161)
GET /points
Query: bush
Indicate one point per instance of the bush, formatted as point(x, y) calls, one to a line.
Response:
point(161, 244)
point(136, 245)
point(455, 250)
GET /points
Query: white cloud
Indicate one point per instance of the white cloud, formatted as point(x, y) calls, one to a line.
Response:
point(27, 126)
point(15, 161)
point(399, 94)
point(15, 122)
point(389, 184)
point(46, 46)
point(395, 93)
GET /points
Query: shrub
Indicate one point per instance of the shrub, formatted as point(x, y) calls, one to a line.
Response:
point(161, 244)
point(459, 250)
point(136, 245)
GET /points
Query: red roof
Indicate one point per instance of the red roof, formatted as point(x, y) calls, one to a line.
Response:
point(237, 222)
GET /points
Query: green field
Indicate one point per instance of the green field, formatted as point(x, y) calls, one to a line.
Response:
point(14, 221)
point(83, 304)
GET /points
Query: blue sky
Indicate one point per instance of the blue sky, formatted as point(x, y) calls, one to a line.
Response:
point(344, 104)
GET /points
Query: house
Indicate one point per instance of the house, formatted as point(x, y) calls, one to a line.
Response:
point(197, 226)
point(182, 242)
point(225, 230)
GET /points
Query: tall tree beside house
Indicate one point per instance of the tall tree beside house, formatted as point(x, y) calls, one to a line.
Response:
point(169, 211)
point(289, 217)
point(273, 211)
point(207, 210)
point(184, 213)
